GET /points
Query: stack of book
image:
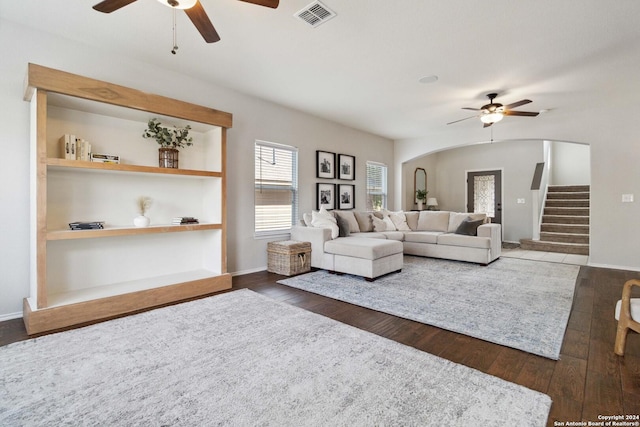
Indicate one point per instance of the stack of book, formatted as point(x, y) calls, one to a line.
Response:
point(184, 220)
point(86, 225)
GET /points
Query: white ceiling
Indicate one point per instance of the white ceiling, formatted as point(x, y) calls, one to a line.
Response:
point(362, 67)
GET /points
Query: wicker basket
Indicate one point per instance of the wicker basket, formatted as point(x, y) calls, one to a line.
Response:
point(289, 257)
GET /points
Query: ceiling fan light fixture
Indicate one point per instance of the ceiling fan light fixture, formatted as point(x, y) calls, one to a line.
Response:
point(179, 4)
point(492, 117)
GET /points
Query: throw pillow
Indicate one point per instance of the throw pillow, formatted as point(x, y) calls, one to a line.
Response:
point(390, 225)
point(324, 219)
point(399, 220)
point(469, 227)
point(306, 217)
point(365, 224)
point(456, 218)
point(343, 227)
point(350, 218)
point(378, 224)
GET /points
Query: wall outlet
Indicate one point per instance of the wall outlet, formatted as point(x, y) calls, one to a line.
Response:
point(521, 201)
point(627, 198)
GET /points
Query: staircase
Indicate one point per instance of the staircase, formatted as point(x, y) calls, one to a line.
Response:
point(565, 221)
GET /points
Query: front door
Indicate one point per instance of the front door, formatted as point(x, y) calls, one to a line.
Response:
point(484, 194)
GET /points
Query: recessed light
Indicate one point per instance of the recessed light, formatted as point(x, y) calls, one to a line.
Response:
point(428, 79)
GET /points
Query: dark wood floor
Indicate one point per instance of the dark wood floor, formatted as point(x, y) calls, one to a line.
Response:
point(588, 380)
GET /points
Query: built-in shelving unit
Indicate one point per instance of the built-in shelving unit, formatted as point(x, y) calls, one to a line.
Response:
point(80, 276)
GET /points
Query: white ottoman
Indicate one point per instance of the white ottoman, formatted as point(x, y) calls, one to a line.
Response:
point(369, 258)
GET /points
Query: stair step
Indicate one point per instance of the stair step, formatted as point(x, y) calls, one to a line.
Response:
point(566, 248)
point(567, 203)
point(579, 195)
point(568, 188)
point(565, 219)
point(566, 211)
point(564, 228)
point(564, 238)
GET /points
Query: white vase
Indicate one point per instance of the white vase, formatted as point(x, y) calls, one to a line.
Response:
point(141, 221)
point(419, 205)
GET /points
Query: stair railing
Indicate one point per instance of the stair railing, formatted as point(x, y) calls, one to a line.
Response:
point(539, 188)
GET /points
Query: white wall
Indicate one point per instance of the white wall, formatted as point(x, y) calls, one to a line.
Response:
point(253, 119)
point(570, 164)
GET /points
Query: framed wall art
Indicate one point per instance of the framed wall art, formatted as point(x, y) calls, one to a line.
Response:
point(325, 164)
point(346, 196)
point(325, 196)
point(346, 167)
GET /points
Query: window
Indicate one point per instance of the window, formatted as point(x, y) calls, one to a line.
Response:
point(276, 188)
point(376, 186)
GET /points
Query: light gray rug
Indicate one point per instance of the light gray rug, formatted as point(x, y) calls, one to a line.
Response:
point(242, 359)
point(517, 303)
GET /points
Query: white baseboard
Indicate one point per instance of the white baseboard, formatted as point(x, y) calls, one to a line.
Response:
point(253, 270)
point(613, 267)
point(10, 316)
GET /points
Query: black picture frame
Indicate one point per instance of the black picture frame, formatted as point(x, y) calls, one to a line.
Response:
point(346, 196)
point(346, 167)
point(325, 196)
point(325, 164)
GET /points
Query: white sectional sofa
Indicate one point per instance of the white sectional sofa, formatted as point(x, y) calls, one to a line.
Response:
point(438, 234)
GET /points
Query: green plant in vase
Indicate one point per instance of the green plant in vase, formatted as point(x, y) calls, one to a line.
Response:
point(169, 139)
point(421, 196)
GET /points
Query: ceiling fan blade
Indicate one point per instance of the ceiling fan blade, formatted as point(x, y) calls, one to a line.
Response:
point(466, 118)
point(266, 3)
point(108, 6)
point(521, 113)
point(517, 104)
point(202, 22)
point(472, 109)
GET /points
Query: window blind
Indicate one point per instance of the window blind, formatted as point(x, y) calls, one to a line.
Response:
point(276, 188)
point(376, 186)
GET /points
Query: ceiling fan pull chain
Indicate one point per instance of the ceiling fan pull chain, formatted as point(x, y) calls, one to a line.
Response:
point(175, 34)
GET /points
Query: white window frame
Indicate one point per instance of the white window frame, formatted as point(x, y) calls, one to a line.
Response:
point(371, 191)
point(266, 233)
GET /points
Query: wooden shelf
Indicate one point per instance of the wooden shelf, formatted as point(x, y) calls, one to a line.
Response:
point(135, 277)
point(104, 302)
point(62, 164)
point(128, 231)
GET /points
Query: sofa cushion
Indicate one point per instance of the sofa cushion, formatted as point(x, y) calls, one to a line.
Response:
point(467, 241)
point(362, 248)
point(350, 218)
point(433, 221)
point(343, 226)
point(422, 236)
point(456, 218)
point(365, 224)
point(372, 235)
point(399, 220)
point(394, 235)
point(469, 227)
point(324, 219)
point(412, 220)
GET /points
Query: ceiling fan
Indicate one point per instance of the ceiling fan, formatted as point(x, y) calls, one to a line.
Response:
point(193, 9)
point(494, 111)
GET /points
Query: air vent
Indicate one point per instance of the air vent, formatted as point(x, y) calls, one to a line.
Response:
point(315, 14)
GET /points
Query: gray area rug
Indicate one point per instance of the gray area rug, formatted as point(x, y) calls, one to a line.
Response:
point(517, 303)
point(242, 359)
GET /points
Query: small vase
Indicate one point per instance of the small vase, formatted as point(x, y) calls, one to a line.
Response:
point(168, 157)
point(419, 205)
point(141, 221)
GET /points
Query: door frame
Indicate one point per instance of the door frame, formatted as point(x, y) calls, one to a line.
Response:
point(466, 190)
